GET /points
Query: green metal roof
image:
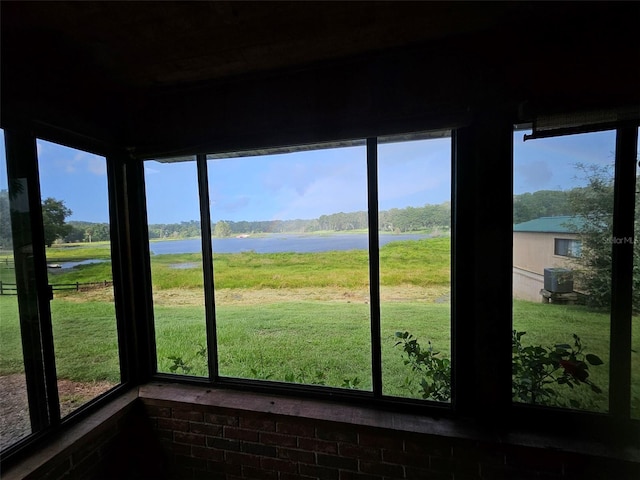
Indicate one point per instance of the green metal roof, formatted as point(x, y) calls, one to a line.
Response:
point(559, 224)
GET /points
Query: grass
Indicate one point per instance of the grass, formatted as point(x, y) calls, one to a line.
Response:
point(305, 337)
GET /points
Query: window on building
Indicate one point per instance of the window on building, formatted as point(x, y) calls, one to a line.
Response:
point(562, 306)
point(566, 247)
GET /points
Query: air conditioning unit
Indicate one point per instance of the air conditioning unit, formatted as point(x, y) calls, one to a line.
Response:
point(558, 280)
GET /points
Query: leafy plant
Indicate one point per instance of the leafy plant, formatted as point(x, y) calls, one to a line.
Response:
point(181, 365)
point(536, 369)
point(435, 371)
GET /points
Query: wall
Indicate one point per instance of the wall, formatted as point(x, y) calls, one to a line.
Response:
point(527, 285)
point(201, 440)
point(167, 432)
point(534, 251)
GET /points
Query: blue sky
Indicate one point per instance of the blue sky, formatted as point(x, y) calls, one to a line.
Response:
point(307, 184)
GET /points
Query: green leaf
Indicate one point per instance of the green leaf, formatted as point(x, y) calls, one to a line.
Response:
point(593, 359)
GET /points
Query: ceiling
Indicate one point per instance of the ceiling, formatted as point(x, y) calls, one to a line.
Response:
point(148, 44)
point(121, 69)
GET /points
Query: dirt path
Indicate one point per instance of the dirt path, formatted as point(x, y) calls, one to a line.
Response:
point(14, 409)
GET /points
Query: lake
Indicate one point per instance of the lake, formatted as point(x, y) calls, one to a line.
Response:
point(278, 243)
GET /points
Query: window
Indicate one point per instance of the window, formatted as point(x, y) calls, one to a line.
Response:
point(75, 211)
point(414, 211)
point(59, 344)
point(562, 303)
point(293, 255)
point(566, 247)
point(176, 267)
point(592, 303)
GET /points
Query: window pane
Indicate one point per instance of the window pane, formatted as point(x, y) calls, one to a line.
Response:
point(635, 325)
point(414, 187)
point(291, 267)
point(14, 410)
point(562, 207)
point(75, 210)
point(173, 210)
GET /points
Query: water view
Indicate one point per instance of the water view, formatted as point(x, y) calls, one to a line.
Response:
point(278, 243)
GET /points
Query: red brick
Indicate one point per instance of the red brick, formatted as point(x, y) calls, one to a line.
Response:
point(223, 444)
point(205, 429)
point(299, 429)
point(297, 455)
point(359, 452)
point(173, 424)
point(242, 459)
point(180, 449)
point(258, 449)
point(337, 435)
point(403, 458)
point(279, 440)
point(190, 438)
point(334, 461)
point(192, 415)
point(241, 434)
point(322, 473)
point(317, 445)
point(250, 472)
point(380, 441)
point(216, 419)
point(385, 469)
point(278, 465)
point(207, 453)
point(258, 423)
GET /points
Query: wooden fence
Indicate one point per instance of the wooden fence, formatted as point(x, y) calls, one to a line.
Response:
point(11, 289)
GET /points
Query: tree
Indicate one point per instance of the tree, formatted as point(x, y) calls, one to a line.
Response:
point(592, 207)
point(54, 213)
point(222, 229)
point(5, 220)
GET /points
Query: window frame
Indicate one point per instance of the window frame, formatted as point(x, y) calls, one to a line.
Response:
point(480, 317)
point(375, 395)
point(573, 247)
point(617, 421)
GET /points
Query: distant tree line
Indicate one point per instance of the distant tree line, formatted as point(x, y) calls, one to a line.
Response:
point(409, 219)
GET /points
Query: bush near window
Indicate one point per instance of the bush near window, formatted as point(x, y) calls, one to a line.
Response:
point(537, 370)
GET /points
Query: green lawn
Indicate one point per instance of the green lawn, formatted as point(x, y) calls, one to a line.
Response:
point(307, 340)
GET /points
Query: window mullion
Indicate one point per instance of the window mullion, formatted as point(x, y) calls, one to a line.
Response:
point(622, 272)
point(374, 265)
point(207, 267)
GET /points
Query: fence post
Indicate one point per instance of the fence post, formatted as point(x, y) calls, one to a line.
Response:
point(1, 292)
point(77, 286)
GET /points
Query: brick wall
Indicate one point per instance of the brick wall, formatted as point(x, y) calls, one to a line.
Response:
point(201, 441)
